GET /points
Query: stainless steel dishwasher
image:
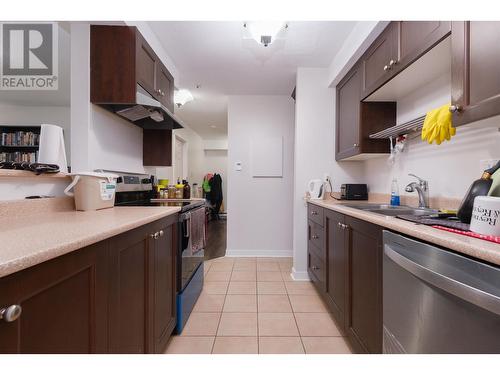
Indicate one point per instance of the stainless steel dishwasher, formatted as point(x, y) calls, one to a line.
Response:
point(436, 301)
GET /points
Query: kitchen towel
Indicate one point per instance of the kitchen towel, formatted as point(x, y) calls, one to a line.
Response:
point(197, 230)
point(427, 220)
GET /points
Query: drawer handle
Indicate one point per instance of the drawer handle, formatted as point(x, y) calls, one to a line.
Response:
point(315, 268)
point(11, 313)
point(155, 235)
point(161, 233)
point(315, 236)
point(314, 212)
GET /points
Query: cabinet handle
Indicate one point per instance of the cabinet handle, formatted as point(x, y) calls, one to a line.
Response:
point(155, 235)
point(315, 236)
point(455, 108)
point(11, 313)
point(386, 68)
point(315, 268)
point(314, 213)
point(339, 225)
point(355, 145)
point(161, 233)
point(392, 63)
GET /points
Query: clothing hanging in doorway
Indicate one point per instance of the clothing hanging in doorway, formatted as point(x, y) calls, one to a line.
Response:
point(212, 186)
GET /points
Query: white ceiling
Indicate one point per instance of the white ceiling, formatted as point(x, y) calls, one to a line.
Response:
point(59, 97)
point(220, 57)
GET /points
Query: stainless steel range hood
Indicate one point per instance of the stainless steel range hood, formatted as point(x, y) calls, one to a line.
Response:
point(147, 112)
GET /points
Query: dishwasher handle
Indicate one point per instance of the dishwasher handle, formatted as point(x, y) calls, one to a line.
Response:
point(466, 292)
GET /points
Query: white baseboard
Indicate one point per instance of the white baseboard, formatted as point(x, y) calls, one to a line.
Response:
point(300, 275)
point(259, 253)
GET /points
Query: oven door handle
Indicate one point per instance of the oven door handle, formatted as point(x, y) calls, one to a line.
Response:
point(466, 292)
point(187, 234)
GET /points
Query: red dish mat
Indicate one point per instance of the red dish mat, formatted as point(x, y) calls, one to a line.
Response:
point(495, 239)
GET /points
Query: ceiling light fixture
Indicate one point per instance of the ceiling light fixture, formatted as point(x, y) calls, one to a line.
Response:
point(265, 32)
point(182, 96)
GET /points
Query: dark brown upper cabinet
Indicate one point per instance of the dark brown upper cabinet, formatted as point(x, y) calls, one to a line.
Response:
point(356, 120)
point(120, 58)
point(475, 73)
point(399, 45)
point(418, 37)
point(348, 114)
point(380, 59)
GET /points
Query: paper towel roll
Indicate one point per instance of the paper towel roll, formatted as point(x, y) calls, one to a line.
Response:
point(52, 150)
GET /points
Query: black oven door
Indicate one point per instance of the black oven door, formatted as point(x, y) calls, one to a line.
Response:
point(188, 261)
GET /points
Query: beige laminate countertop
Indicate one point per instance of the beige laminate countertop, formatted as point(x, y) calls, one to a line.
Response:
point(27, 240)
point(481, 249)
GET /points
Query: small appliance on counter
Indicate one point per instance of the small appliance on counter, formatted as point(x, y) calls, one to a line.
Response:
point(137, 190)
point(92, 190)
point(316, 189)
point(354, 192)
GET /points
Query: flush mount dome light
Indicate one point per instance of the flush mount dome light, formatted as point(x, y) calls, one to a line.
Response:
point(182, 96)
point(265, 32)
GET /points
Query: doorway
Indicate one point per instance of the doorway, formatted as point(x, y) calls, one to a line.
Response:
point(180, 159)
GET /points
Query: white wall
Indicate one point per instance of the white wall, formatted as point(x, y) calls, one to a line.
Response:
point(450, 167)
point(261, 218)
point(11, 114)
point(19, 188)
point(314, 152)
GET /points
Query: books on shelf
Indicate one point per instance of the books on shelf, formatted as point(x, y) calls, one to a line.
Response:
point(20, 138)
point(19, 156)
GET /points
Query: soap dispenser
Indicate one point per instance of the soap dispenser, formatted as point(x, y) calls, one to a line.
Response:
point(395, 201)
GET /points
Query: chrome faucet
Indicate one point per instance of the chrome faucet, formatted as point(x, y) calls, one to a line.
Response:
point(422, 188)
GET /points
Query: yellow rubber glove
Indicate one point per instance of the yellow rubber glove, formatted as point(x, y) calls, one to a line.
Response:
point(438, 125)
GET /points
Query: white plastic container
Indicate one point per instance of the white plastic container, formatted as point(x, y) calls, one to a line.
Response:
point(486, 216)
point(93, 190)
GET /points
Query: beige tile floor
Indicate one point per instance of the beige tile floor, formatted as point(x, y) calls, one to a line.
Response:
point(251, 306)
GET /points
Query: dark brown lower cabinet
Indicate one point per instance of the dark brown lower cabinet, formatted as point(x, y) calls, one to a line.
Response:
point(164, 283)
point(64, 305)
point(116, 296)
point(129, 297)
point(364, 317)
point(337, 266)
point(350, 277)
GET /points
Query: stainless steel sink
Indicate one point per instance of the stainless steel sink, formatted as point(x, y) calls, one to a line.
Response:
point(388, 210)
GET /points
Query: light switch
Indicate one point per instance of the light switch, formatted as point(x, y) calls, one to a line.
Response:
point(237, 166)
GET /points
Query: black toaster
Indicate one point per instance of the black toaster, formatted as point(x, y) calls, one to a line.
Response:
point(354, 192)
